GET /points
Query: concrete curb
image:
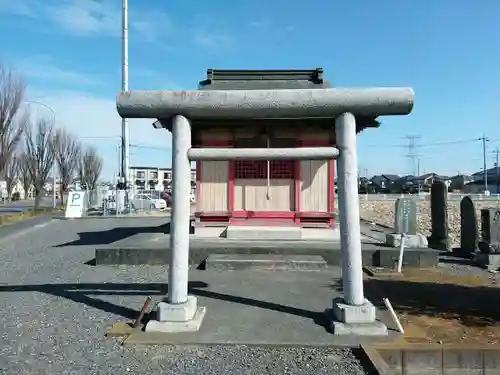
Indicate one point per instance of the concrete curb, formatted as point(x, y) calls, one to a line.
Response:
point(432, 359)
point(114, 217)
point(373, 357)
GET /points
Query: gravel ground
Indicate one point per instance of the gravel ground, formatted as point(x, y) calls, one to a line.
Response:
point(47, 329)
point(382, 212)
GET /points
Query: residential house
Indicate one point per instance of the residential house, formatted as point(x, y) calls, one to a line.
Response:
point(384, 183)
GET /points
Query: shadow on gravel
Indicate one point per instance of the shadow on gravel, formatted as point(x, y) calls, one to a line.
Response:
point(108, 237)
point(85, 293)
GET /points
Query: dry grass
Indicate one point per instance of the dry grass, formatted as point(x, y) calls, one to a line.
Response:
point(16, 217)
point(436, 307)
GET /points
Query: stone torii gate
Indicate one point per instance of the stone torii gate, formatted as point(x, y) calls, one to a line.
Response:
point(174, 109)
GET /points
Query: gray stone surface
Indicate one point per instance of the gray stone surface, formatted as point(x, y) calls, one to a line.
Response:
point(414, 241)
point(439, 238)
point(176, 312)
point(353, 314)
point(376, 329)
point(468, 227)
point(55, 310)
point(191, 325)
point(268, 262)
point(490, 231)
point(241, 104)
point(405, 220)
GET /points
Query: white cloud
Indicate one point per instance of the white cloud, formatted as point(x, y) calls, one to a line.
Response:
point(89, 116)
point(92, 17)
point(95, 121)
point(42, 68)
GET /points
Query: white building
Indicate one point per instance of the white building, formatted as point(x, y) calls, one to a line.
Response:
point(154, 178)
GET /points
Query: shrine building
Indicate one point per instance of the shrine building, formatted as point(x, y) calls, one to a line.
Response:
point(297, 194)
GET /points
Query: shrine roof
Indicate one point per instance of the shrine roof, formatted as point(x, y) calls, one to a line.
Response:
point(264, 79)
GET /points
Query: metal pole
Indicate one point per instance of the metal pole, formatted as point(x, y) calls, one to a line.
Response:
point(350, 237)
point(497, 151)
point(125, 128)
point(181, 187)
point(418, 174)
point(484, 164)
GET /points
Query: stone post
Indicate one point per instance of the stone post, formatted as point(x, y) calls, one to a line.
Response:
point(352, 314)
point(350, 231)
point(180, 312)
point(181, 210)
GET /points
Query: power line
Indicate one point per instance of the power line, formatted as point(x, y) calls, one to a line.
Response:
point(440, 143)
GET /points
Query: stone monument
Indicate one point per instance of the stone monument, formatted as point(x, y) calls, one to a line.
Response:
point(439, 238)
point(405, 222)
point(489, 245)
point(468, 229)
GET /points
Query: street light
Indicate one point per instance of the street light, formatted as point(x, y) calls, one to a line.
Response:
point(54, 163)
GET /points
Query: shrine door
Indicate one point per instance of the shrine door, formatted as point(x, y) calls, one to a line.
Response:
point(265, 186)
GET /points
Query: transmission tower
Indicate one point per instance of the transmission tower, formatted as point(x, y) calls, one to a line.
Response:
point(413, 154)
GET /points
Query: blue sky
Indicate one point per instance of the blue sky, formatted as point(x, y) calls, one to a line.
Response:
point(69, 52)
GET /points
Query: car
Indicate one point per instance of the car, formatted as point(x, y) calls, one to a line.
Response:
point(144, 201)
point(167, 197)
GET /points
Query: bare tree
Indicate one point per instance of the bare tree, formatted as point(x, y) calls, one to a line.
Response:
point(90, 168)
point(11, 174)
point(68, 155)
point(40, 155)
point(24, 175)
point(13, 121)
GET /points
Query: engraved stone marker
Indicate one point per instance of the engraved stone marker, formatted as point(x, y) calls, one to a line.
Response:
point(490, 231)
point(468, 227)
point(405, 216)
point(439, 216)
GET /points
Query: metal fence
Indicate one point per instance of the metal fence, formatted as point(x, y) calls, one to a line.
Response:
point(113, 202)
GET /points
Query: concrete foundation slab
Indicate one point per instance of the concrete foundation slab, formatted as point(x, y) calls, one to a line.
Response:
point(141, 249)
point(414, 241)
point(490, 261)
point(250, 232)
point(244, 307)
point(265, 262)
point(191, 325)
point(358, 329)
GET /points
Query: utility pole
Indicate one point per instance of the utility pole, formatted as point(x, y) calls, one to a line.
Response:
point(418, 174)
point(484, 140)
point(412, 153)
point(125, 151)
point(497, 153)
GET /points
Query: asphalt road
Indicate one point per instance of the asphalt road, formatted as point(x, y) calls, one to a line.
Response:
point(10, 207)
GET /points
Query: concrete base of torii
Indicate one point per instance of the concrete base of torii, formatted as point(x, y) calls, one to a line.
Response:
point(176, 318)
